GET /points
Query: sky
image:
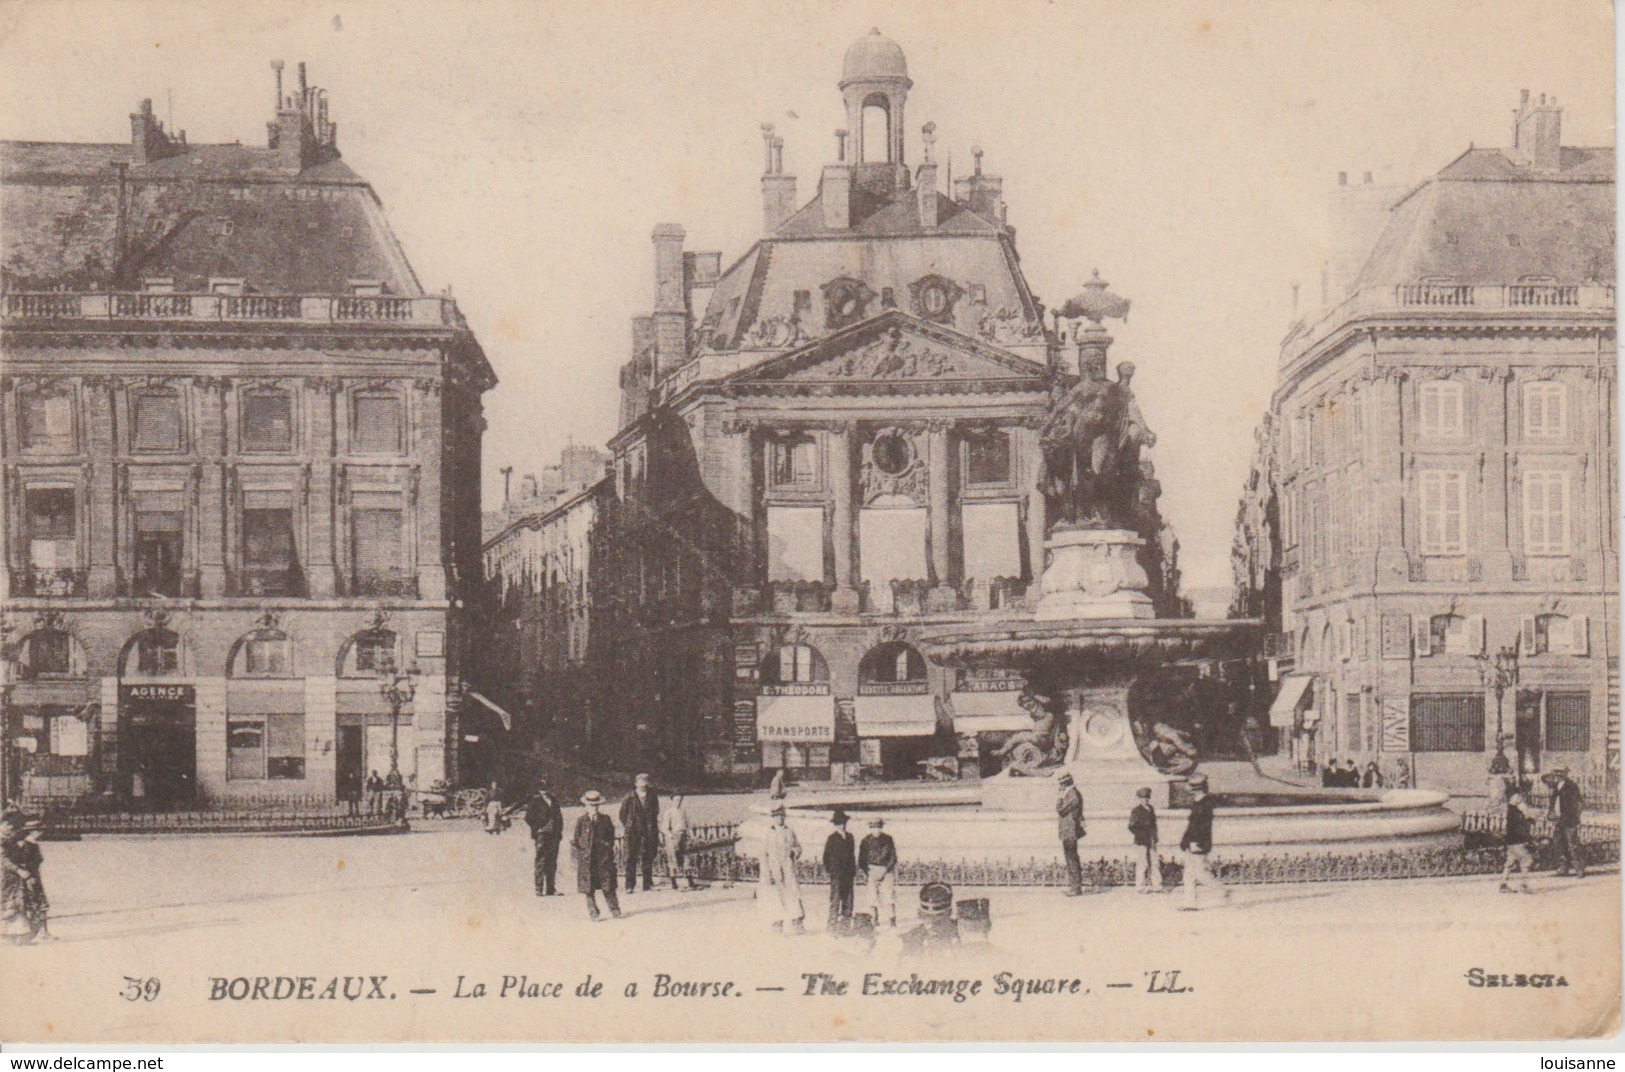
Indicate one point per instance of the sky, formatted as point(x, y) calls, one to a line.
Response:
point(525, 150)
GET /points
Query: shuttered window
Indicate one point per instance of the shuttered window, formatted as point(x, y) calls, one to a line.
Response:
point(1440, 403)
point(52, 517)
point(376, 428)
point(377, 540)
point(267, 421)
point(1443, 507)
point(1544, 411)
point(158, 421)
point(1546, 512)
point(1447, 723)
point(1568, 721)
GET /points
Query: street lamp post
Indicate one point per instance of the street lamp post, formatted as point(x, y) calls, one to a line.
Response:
point(1498, 674)
point(397, 687)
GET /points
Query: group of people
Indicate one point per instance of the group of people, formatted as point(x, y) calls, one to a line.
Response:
point(1564, 811)
point(652, 828)
point(844, 859)
point(386, 796)
point(1195, 844)
point(1348, 775)
point(24, 909)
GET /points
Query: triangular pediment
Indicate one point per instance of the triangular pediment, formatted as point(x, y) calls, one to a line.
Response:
point(890, 348)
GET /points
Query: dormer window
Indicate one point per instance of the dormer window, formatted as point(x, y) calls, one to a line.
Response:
point(158, 284)
point(223, 227)
point(227, 285)
point(366, 288)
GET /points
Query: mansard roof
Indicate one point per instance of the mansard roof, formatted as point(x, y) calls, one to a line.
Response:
point(1485, 219)
point(204, 212)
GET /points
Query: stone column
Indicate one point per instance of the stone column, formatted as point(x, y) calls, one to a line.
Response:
point(1028, 459)
point(321, 733)
point(845, 600)
point(424, 492)
point(943, 596)
point(100, 489)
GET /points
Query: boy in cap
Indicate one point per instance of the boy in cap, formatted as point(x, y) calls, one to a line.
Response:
point(1142, 823)
point(840, 864)
point(877, 858)
point(1069, 823)
point(781, 888)
point(1198, 842)
point(593, 847)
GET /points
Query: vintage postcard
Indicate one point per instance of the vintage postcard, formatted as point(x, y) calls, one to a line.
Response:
point(982, 521)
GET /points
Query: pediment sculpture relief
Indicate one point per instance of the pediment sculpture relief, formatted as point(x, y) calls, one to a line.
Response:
point(892, 357)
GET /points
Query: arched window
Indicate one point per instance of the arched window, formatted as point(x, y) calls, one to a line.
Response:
point(373, 652)
point(264, 652)
point(794, 664)
point(49, 652)
point(892, 663)
point(157, 651)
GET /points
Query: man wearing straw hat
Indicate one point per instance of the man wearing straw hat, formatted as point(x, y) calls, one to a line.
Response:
point(594, 850)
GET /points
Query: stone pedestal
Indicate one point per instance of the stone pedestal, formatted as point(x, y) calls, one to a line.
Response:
point(1093, 573)
point(1101, 757)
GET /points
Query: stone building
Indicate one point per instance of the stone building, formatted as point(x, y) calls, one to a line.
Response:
point(533, 655)
point(241, 470)
point(1435, 480)
point(825, 447)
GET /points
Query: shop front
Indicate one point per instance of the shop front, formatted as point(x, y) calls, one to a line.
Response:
point(50, 741)
point(795, 725)
point(987, 710)
point(157, 744)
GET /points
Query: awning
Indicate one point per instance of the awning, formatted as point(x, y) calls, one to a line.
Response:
point(801, 719)
point(896, 716)
point(507, 719)
point(989, 712)
point(1288, 700)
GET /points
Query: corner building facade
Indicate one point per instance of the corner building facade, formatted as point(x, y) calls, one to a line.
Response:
point(241, 472)
point(824, 448)
point(1436, 478)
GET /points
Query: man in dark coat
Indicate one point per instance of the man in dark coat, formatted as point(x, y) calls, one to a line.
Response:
point(1069, 825)
point(1565, 813)
point(1142, 823)
point(546, 822)
point(1198, 842)
point(640, 819)
point(593, 848)
point(841, 865)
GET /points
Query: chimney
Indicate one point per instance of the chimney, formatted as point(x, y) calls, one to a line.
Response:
point(147, 138)
point(835, 191)
point(982, 194)
point(301, 134)
point(1537, 133)
point(671, 300)
point(778, 189)
point(925, 179)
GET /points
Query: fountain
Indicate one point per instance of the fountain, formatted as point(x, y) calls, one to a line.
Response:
point(1091, 648)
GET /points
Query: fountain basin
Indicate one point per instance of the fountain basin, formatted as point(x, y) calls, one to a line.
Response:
point(950, 825)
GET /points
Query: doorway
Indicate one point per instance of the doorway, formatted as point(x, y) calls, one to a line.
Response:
point(158, 744)
point(349, 763)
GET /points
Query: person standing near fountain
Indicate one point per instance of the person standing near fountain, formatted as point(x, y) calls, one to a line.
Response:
point(1142, 823)
point(1069, 815)
point(877, 859)
point(1197, 843)
point(780, 892)
point(840, 864)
